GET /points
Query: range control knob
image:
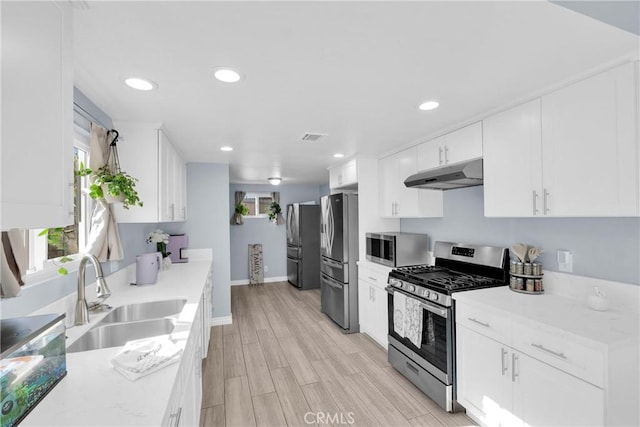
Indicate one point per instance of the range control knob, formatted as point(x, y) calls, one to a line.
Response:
point(434, 296)
point(426, 293)
point(412, 288)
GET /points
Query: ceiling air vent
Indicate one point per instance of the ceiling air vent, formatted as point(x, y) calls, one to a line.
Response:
point(312, 137)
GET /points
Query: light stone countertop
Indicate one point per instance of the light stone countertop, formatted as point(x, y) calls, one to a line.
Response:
point(93, 393)
point(572, 316)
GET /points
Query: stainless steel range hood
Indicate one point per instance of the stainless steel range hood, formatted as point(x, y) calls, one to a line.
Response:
point(460, 175)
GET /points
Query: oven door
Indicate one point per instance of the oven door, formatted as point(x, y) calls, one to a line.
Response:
point(435, 352)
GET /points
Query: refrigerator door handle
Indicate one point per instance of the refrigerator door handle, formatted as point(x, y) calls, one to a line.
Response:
point(331, 282)
point(331, 263)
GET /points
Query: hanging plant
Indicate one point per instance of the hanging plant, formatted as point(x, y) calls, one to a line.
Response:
point(242, 209)
point(274, 211)
point(109, 182)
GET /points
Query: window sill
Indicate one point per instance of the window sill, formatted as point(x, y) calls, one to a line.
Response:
point(50, 271)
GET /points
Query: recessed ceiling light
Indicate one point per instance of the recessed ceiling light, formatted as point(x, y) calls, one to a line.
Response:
point(226, 148)
point(140, 83)
point(274, 180)
point(429, 105)
point(338, 155)
point(227, 75)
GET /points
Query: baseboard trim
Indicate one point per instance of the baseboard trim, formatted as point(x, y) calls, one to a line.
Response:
point(223, 320)
point(266, 280)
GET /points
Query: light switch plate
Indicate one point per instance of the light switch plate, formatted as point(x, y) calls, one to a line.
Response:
point(565, 261)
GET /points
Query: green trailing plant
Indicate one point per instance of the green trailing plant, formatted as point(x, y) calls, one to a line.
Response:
point(274, 210)
point(242, 209)
point(115, 183)
point(57, 237)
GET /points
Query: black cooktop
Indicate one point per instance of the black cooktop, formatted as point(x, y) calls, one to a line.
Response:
point(443, 279)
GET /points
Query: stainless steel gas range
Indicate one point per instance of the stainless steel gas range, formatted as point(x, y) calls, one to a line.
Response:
point(422, 313)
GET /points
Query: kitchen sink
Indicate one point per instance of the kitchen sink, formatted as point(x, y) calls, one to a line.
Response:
point(117, 334)
point(144, 311)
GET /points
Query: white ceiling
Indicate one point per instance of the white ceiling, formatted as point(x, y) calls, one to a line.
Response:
point(353, 70)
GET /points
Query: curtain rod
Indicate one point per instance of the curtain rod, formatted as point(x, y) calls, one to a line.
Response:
point(87, 115)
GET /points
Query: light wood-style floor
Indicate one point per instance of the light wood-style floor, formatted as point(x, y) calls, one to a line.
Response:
point(283, 362)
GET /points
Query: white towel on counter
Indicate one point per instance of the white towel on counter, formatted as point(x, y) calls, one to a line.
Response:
point(413, 321)
point(142, 357)
point(399, 313)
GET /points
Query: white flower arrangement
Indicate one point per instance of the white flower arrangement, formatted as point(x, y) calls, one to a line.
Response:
point(160, 238)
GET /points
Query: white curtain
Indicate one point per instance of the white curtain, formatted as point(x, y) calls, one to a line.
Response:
point(104, 238)
point(14, 260)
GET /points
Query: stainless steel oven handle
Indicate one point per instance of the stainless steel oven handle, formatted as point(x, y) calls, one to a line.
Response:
point(442, 312)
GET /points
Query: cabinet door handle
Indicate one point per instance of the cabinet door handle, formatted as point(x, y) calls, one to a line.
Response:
point(546, 350)
point(372, 278)
point(535, 202)
point(439, 155)
point(173, 209)
point(446, 157)
point(514, 374)
point(176, 416)
point(502, 360)
point(474, 320)
point(545, 202)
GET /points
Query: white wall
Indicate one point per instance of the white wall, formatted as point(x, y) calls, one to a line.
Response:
point(259, 230)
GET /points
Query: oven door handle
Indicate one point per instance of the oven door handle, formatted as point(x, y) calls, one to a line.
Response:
point(442, 312)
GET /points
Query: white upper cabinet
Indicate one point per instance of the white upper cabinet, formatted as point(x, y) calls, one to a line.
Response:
point(455, 147)
point(398, 201)
point(589, 146)
point(573, 152)
point(344, 176)
point(513, 162)
point(37, 115)
point(147, 154)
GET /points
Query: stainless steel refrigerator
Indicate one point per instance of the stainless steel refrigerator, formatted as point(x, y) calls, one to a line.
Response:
point(303, 245)
point(339, 250)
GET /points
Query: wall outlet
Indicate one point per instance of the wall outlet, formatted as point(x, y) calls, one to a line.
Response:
point(266, 268)
point(565, 261)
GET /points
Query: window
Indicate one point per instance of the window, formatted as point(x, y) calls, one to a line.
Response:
point(258, 204)
point(45, 249)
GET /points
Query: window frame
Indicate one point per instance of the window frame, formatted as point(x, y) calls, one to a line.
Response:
point(257, 195)
point(49, 270)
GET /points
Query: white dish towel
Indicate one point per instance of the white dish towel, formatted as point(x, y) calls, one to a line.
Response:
point(399, 313)
point(413, 321)
point(142, 357)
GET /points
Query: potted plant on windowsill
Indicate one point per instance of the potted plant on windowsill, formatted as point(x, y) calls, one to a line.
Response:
point(111, 186)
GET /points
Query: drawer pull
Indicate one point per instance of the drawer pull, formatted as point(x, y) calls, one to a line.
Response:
point(372, 278)
point(486, 325)
point(546, 350)
point(412, 368)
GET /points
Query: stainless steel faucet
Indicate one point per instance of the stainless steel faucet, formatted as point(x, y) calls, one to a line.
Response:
point(103, 292)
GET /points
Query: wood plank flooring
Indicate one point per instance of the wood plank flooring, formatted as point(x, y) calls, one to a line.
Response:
point(284, 363)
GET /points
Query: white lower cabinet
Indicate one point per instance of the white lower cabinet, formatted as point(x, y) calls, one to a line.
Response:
point(186, 397)
point(500, 386)
point(372, 303)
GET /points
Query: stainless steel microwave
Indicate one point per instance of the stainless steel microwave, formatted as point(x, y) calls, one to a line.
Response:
point(398, 249)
